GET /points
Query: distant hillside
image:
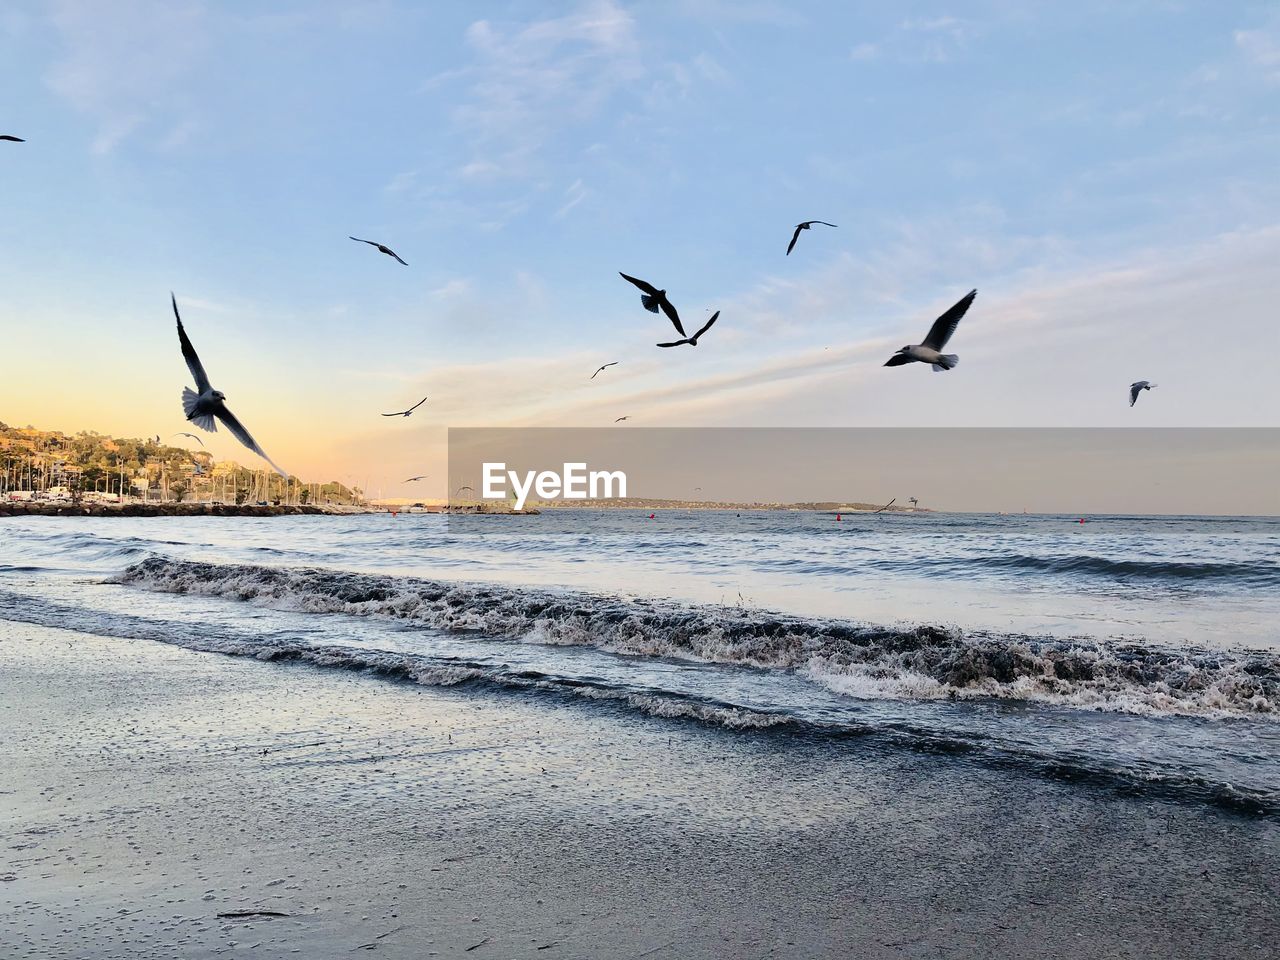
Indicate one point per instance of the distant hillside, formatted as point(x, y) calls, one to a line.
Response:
point(50, 461)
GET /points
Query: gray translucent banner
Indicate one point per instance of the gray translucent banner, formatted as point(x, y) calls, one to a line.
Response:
point(1098, 471)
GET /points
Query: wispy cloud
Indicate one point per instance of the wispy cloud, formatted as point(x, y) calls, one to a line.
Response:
point(531, 81)
point(1262, 48)
point(102, 73)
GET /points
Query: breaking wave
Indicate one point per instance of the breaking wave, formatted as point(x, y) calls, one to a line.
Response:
point(857, 660)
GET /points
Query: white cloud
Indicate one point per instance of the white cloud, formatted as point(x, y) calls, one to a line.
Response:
point(123, 64)
point(1262, 48)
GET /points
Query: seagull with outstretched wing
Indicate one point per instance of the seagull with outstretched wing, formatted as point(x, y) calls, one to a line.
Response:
point(412, 479)
point(655, 300)
point(887, 505)
point(600, 370)
point(1136, 388)
point(382, 248)
point(204, 405)
point(192, 436)
point(620, 419)
point(693, 341)
point(931, 350)
point(804, 226)
point(409, 412)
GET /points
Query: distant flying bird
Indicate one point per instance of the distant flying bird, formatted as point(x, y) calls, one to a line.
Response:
point(412, 479)
point(1137, 388)
point(204, 403)
point(939, 334)
point(804, 226)
point(405, 413)
point(11, 139)
point(382, 248)
point(693, 341)
point(653, 299)
point(620, 419)
point(192, 436)
point(888, 505)
point(605, 367)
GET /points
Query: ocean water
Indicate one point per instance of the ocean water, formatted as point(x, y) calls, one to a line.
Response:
point(1131, 653)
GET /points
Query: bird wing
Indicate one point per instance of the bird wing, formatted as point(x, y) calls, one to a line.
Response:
point(794, 237)
point(1134, 390)
point(675, 343)
point(240, 433)
point(11, 138)
point(419, 403)
point(823, 222)
point(897, 360)
point(670, 310)
point(945, 325)
point(189, 352)
point(888, 505)
point(398, 413)
point(391, 253)
point(620, 419)
point(648, 288)
point(372, 243)
point(707, 326)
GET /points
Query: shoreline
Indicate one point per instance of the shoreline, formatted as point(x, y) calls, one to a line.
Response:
point(163, 802)
point(43, 509)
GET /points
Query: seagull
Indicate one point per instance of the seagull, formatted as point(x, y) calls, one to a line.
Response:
point(192, 436)
point(605, 367)
point(204, 403)
point(412, 479)
point(382, 248)
point(620, 419)
point(11, 139)
point(405, 413)
point(804, 226)
point(939, 334)
point(1137, 388)
point(887, 505)
point(693, 341)
point(653, 298)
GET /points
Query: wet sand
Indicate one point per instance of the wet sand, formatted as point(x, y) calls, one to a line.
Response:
point(146, 789)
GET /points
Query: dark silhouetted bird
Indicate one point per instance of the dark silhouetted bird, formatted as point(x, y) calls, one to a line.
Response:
point(804, 226)
point(693, 341)
point(382, 248)
point(655, 299)
point(409, 412)
point(1137, 388)
point(204, 403)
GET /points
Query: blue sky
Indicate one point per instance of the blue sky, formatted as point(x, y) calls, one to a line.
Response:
point(1103, 173)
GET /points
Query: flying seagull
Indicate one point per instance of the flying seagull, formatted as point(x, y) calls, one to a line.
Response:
point(204, 403)
point(1137, 388)
point(620, 419)
point(605, 367)
point(11, 139)
point(382, 248)
point(412, 479)
point(804, 226)
point(192, 436)
point(887, 505)
point(939, 334)
point(693, 341)
point(405, 413)
point(653, 299)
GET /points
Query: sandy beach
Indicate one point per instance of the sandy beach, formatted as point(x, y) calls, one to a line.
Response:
point(149, 789)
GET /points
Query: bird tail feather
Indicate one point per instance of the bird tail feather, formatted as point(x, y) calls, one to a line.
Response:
point(945, 362)
point(189, 398)
point(650, 302)
point(204, 421)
